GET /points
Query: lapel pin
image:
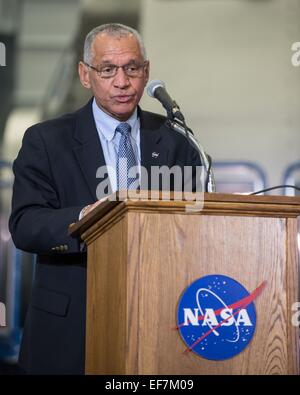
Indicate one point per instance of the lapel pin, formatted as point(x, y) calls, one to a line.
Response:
point(155, 154)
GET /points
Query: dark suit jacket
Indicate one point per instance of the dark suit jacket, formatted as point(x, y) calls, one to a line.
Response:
point(55, 177)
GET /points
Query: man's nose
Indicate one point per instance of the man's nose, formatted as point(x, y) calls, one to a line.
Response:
point(121, 79)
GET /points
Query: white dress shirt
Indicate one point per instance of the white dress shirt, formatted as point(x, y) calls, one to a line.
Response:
point(109, 139)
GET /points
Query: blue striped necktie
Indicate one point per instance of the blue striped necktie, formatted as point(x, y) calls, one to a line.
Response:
point(126, 159)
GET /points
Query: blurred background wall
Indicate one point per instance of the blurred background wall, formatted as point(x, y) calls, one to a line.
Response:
point(226, 62)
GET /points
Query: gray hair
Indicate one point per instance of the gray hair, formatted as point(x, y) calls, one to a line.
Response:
point(113, 29)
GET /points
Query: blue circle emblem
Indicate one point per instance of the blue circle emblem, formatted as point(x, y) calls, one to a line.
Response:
point(216, 317)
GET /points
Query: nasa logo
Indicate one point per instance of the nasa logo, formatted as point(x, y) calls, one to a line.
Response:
point(216, 317)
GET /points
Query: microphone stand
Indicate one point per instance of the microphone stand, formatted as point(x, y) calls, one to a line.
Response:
point(177, 123)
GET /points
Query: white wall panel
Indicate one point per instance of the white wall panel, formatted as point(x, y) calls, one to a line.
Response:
point(228, 64)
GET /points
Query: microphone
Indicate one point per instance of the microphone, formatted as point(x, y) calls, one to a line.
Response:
point(157, 89)
point(176, 122)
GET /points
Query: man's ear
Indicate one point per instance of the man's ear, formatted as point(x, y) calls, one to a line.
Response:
point(147, 72)
point(84, 75)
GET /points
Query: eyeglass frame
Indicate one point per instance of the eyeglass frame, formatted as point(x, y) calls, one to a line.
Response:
point(145, 62)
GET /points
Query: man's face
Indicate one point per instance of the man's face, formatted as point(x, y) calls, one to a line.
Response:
point(118, 95)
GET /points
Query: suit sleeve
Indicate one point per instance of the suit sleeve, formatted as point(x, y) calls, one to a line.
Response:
point(38, 223)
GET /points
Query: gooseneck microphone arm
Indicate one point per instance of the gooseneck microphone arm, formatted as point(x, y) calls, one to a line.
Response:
point(176, 122)
point(181, 128)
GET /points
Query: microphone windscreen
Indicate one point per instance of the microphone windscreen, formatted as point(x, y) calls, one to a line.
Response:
point(153, 85)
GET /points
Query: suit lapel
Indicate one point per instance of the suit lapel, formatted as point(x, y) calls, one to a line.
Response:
point(87, 148)
point(154, 151)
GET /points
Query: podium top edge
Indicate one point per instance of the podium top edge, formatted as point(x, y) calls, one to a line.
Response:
point(206, 203)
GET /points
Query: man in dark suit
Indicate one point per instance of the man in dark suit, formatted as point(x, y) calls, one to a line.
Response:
point(55, 185)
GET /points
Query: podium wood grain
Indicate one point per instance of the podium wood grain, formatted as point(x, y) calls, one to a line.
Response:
point(143, 254)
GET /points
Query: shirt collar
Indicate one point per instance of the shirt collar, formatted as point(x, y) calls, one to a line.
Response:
point(106, 125)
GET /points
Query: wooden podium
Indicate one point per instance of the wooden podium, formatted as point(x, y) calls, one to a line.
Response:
point(143, 253)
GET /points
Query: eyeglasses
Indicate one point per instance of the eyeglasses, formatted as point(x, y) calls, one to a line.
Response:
point(110, 70)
